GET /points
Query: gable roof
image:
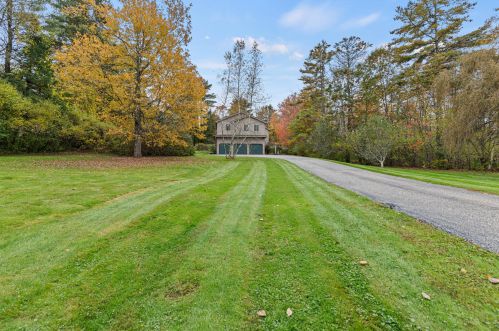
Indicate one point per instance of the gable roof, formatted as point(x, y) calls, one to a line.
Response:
point(251, 116)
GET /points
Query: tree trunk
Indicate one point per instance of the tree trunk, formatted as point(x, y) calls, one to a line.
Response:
point(491, 161)
point(10, 36)
point(137, 148)
point(137, 114)
point(382, 163)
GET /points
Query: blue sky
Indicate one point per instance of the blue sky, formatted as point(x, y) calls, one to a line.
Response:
point(288, 29)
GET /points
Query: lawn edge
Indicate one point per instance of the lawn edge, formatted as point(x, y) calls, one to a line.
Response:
point(379, 171)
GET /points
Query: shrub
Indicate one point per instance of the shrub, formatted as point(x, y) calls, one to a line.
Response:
point(179, 150)
point(183, 148)
point(27, 126)
point(204, 147)
point(88, 133)
point(210, 148)
point(440, 164)
point(323, 138)
point(375, 139)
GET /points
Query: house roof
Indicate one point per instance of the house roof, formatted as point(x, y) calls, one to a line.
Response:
point(251, 116)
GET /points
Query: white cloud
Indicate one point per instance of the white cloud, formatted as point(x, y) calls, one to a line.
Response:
point(310, 18)
point(210, 65)
point(275, 48)
point(264, 45)
point(297, 56)
point(361, 21)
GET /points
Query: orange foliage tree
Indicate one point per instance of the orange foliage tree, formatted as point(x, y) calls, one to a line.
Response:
point(134, 72)
point(282, 119)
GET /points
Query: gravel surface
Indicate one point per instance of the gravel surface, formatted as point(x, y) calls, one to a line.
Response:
point(471, 215)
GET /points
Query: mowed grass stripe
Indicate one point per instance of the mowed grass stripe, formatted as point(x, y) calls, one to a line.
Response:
point(59, 241)
point(406, 258)
point(371, 310)
point(102, 219)
point(363, 240)
point(117, 281)
point(217, 266)
point(34, 196)
point(294, 269)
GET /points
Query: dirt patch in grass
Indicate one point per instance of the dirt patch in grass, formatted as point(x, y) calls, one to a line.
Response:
point(180, 290)
point(114, 162)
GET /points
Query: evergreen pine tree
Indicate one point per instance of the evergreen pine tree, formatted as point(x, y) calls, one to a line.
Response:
point(430, 33)
point(314, 76)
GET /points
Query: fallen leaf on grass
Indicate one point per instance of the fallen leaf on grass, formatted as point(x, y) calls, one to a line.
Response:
point(363, 262)
point(261, 313)
point(463, 271)
point(493, 280)
point(289, 312)
point(426, 296)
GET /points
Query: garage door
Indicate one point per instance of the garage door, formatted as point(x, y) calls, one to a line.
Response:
point(256, 149)
point(241, 149)
point(223, 149)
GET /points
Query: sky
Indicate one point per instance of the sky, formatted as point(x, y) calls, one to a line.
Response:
point(287, 29)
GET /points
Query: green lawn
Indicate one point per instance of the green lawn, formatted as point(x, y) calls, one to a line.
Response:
point(203, 243)
point(472, 180)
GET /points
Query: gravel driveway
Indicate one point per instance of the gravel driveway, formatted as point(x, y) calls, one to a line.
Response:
point(470, 215)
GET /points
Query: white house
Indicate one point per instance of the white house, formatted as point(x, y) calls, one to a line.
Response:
point(247, 135)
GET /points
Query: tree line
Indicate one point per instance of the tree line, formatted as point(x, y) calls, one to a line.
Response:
point(99, 75)
point(428, 98)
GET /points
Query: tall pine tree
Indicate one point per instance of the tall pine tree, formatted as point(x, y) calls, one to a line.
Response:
point(70, 18)
point(349, 54)
point(314, 76)
point(430, 33)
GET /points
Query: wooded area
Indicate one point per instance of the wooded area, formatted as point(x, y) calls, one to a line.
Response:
point(429, 98)
point(102, 76)
point(84, 74)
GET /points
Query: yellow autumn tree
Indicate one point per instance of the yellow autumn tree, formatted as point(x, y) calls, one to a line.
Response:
point(135, 73)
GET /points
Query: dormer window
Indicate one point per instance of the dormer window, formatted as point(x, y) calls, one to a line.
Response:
point(227, 127)
point(246, 127)
point(256, 128)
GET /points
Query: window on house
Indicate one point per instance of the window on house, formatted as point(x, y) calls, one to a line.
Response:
point(246, 127)
point(227, 127)
point(257, 127)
